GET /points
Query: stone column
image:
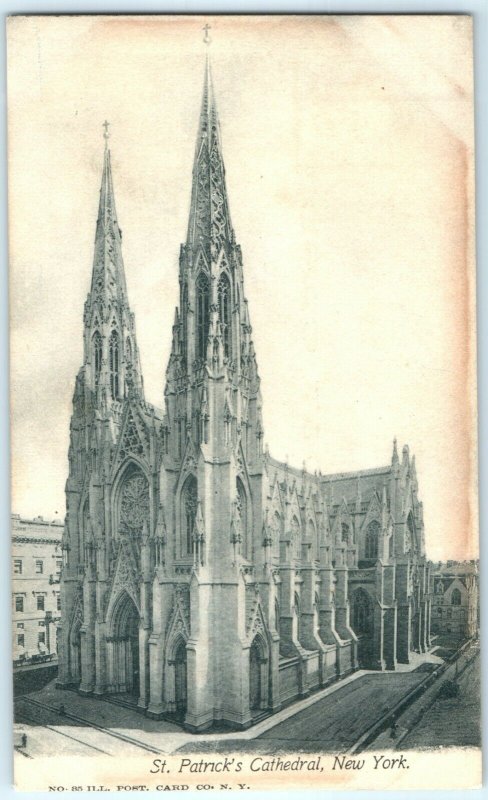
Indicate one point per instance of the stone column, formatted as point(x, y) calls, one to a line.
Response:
point(378, 636)
point(100, 659)
point(109, 649)
point(143, 668)
point(156, 668)
point(327, 630)
point(389, 617)
point(390, 637)
point(87, 633)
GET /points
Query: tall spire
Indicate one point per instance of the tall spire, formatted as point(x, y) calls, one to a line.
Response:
point(210, 224)
point(110, 352)
point(108, 276)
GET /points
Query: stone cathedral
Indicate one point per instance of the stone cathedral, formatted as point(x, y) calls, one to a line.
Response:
point(202, 579)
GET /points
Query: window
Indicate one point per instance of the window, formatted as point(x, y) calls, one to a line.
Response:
point(40, 602)
point(39, 567)
point(439, 611)
point(97, 356)
point(113, 356)
point(17, 566)
point(223, 294)
point(312, 538)
point(203, 317)
point(409, 533)
point(188, 514)
point(19, 603)
point(296, 545)
point(362, 613)
point(371, 543)
point(345, 532)
point(58, 602)
point(184, 311)
point(41, 637)
point(128, 365)
point(449, 613)
point(59, 564)
point(456, 597)
point(20, 625)
point(20, 639)
point(241, 510)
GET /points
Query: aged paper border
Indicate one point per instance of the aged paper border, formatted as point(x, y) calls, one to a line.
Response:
point(460, 761)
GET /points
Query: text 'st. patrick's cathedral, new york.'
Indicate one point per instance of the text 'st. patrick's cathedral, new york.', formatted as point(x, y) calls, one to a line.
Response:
point(201, 577)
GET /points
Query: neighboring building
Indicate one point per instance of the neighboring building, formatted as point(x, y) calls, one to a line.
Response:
point(201, 576)
point(456, 599)
point(36, 601)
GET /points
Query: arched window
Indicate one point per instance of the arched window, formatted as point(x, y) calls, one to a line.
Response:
point(371, 541)
point(113, 357)
point(128, 364)
point(223, 294)
point(456, 597)
point(277, 615)
point(134, 502)
point(188, 514)
point(128, 352)
point(203, 315)
point(184, 316)
point(312, 538)
point(295, 538)
point(97, 357)
point(409, 533)
point(241, 508)
point(362, 612)
point(276, 535)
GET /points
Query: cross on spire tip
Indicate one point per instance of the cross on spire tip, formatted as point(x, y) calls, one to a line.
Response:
point(206, 37)
point(106, 134)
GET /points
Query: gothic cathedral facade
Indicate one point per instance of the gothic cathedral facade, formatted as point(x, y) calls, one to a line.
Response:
point(202, 579)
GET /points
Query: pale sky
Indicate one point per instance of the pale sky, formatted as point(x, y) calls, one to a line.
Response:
point(348, 147)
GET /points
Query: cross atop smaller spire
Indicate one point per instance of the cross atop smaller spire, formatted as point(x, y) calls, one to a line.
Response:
point(106, 134)
point(206, 37)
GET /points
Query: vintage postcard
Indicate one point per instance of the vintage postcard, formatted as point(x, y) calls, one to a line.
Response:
point(243, 371)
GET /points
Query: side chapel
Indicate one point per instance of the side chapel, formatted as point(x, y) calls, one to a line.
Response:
point(203, 579)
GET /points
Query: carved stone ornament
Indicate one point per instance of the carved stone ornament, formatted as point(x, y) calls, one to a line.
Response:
point(134, 504)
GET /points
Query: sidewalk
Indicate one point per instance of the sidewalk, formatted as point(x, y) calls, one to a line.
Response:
point(168, 736)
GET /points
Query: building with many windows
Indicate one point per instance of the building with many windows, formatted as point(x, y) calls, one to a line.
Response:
point(455, 608)
point(36, 600)
point(201, 577)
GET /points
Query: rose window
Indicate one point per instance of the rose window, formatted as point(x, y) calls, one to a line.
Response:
point(134, 505)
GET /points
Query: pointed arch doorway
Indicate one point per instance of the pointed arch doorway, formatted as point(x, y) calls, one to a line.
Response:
point(75, 654)
point(181, 679)
point(255, 689)
point(124, 644)
point(258, 676)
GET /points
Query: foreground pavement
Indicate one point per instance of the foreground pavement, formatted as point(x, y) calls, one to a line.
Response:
point(330, 720)
point(436, 721)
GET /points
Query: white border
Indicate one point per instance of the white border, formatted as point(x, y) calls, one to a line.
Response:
point(479, 10)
